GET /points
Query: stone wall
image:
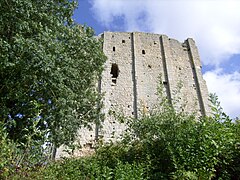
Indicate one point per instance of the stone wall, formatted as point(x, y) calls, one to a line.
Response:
point(137, 63)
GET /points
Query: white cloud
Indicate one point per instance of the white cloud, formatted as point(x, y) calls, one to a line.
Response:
point(227, 87)
point(214, 24)
point(108, 11)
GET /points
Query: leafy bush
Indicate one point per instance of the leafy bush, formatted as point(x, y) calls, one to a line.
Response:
point(174, 145)
point(6, 153)
point(85, 168)
point(18, 158)
point(163, 145)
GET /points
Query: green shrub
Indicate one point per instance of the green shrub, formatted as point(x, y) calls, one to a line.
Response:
point(6, 153)
point(129, 171)
point(178, 145)
point(86, 168)
point(163, 145)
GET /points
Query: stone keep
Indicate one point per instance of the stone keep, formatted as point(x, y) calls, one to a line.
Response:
point(131, 76)
point(135, 63)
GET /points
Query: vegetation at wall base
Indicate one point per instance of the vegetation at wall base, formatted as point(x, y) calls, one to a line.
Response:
point(174, 145)
point(48, 70)
point(163, 145)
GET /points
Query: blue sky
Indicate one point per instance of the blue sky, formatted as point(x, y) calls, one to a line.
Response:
point(213, 24)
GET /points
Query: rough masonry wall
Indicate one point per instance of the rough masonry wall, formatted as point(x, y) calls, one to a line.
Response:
point(137, 63)
point(118, 88)
point(141, 59)
point(148, 69)
point(183, 85)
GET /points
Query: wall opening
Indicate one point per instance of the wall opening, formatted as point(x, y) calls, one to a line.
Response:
point(114, 72)
point(114, 80)
point(123, 41)
point(114, 48)
point(143, 52)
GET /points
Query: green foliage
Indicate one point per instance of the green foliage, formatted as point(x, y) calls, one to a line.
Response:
point(20, 158)
point(163, 145)
point(174, 145)
point(85, 168)
point(6, 152)
point(49, 67)
point(129, 171)
point(48, 70)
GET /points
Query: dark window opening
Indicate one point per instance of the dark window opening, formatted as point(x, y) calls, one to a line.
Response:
point(114, 80)
point(165, 82)
point(149, 66)
point(143, 52)
point(113, 48)
point(114, 72)
point(123, 41)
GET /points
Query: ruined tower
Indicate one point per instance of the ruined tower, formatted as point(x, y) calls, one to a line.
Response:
point(136, 64)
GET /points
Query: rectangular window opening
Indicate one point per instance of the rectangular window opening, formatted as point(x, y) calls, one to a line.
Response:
point(114, 80)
